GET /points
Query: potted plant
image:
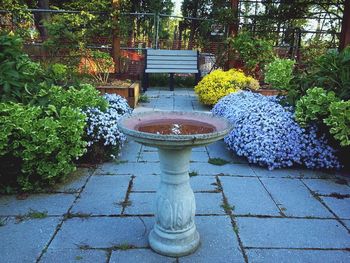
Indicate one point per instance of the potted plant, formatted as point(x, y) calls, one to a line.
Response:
point(99, 65)
point(278, 75)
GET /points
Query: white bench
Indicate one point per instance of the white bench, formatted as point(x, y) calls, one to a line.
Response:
point(170, 61)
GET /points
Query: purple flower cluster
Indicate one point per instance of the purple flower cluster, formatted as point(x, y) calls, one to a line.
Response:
point(266, 133)
point(102, 125)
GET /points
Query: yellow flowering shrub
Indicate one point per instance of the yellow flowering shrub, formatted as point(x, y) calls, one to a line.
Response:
point(220, 83)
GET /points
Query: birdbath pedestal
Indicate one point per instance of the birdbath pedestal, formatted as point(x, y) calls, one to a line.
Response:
point(174, 134)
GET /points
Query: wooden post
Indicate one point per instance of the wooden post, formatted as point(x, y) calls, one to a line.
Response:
point(115, 36)
point(233, 26)
point(345, 29)
point(233, 30)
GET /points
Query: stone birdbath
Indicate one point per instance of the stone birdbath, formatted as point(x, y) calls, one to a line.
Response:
point(174, 134)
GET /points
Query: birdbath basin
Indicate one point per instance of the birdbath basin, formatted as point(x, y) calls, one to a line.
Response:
point(174, 134)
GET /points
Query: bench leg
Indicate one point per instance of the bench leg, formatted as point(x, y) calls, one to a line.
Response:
point(171, 81)
point(145, 84)
point(197, 78)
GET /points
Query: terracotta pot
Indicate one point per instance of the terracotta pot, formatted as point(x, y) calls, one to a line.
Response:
point(131, 93)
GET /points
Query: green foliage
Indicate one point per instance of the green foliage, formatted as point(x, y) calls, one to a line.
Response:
point(314, 105)
point(279, 73)
point(332, 71)
point(102, 63)
point(324, 107)
point(253, 51)
point(339, 121)
point(217, 161)
point(46, 140)
point(82, 97)
point(18, 74)
point(59, 73)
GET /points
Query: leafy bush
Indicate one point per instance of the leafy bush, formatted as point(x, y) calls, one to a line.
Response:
point(219, 83)
point(253, 51)
point(44, 141)
point(80, 97)
point(103, 136)
point(18, 74)
point(265, 132)
point(100, 65)
point(279, 73)
point(339, 121)
point(314, 106)
point(322, 107)
point(332, 72)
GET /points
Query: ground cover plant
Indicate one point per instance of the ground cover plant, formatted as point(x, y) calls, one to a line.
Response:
point(220, 83)
point(266, 133)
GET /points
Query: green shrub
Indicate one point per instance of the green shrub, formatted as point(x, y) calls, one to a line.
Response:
point(332, 71)
point(220, 83)
point(80, 97)
point(253, 51)
point(339, 121)
point(18, 74)
point(322, 107)
point(279, 73)
point(45, 140)
point(314, 106)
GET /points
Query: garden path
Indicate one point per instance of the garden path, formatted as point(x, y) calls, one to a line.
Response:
point(244, 213)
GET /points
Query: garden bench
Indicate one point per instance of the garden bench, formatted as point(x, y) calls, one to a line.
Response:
point(170, 61)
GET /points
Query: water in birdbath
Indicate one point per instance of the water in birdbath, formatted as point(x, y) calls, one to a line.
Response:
point(175, 127)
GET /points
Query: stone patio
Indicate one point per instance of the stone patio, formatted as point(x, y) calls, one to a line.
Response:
point(244, 213)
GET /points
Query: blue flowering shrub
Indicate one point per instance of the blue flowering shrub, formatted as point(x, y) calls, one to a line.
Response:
point(103, 136)
point(266, 133)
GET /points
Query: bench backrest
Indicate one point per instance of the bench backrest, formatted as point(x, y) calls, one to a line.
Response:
point(171, 61)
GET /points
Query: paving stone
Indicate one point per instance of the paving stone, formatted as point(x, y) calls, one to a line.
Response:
point(341, 207)
point(74, 255)
point(203, 183)
point(139, 255)
point(145, 183)
point(140, 204)
point(248, 196)
point(209, 203)
point(53, 204)
point(149, 149)
point(227, 169)
point(292, 233)
point(76, 183)
point(218, 242)
point(219, 150)
point(127, 168)
point(130, 151)
point(297, 256)
point(102, 195)
point(327, 187)
point(148, 157)
point(24, 241)
point(289, 173)
point(198, 156)
point(294, 199)
point(347, 223)
point(103, 232)
point(199, 149)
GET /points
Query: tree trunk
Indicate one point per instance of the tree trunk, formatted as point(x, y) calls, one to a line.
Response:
point(115, 36)
point(345, 29)
point(233, 26)
point(40, 18)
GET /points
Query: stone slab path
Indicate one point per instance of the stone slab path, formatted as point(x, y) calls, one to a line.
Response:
point(244, 213)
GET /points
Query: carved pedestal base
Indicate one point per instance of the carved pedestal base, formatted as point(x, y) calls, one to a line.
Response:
point(174, 233)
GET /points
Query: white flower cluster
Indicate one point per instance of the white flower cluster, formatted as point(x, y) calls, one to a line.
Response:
point(102, 125)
